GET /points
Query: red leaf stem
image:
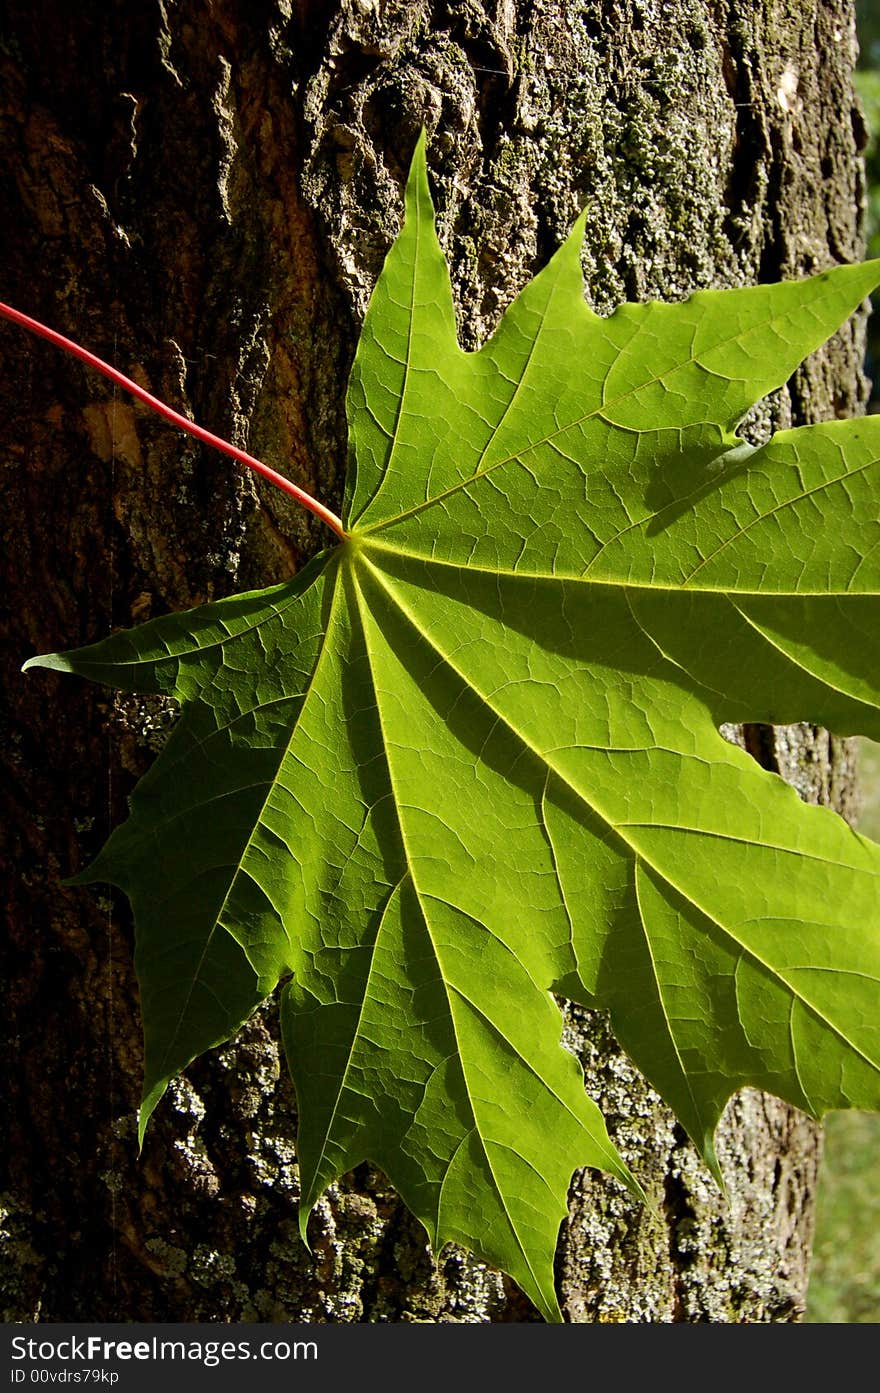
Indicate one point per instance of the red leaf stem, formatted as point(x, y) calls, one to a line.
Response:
point(206, 436)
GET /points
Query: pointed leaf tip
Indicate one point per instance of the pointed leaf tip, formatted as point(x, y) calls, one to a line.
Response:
point(419, 163)
point(570, 249)
point(870, 272)
point(418, 190)
point(147, 1108)
point(59, 662)
point(84, 877)
point(578, 228)
point(305, 1213)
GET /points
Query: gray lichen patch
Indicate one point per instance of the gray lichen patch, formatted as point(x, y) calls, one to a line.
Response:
point(171, 1260)
point(693, 1253)
point(142, 725)
point(653, 121)
point(613, 1261)
point(21, 1266)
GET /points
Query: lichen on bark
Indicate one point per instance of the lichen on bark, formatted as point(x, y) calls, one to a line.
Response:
point(205, 194)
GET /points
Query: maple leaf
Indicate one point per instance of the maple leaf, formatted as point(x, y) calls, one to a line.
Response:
point(471, 756)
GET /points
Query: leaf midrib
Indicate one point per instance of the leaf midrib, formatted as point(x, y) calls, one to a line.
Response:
point(448, 986)
point(604, 582)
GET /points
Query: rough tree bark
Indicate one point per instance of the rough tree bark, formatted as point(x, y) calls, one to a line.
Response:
point(203, 193)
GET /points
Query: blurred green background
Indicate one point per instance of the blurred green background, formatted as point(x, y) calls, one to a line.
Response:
point(845, 1276)
point(845, 1280)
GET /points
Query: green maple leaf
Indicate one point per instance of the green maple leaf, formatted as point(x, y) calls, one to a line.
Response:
point(471, 755)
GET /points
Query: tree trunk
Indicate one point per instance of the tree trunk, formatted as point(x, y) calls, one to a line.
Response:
point(204, 193)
